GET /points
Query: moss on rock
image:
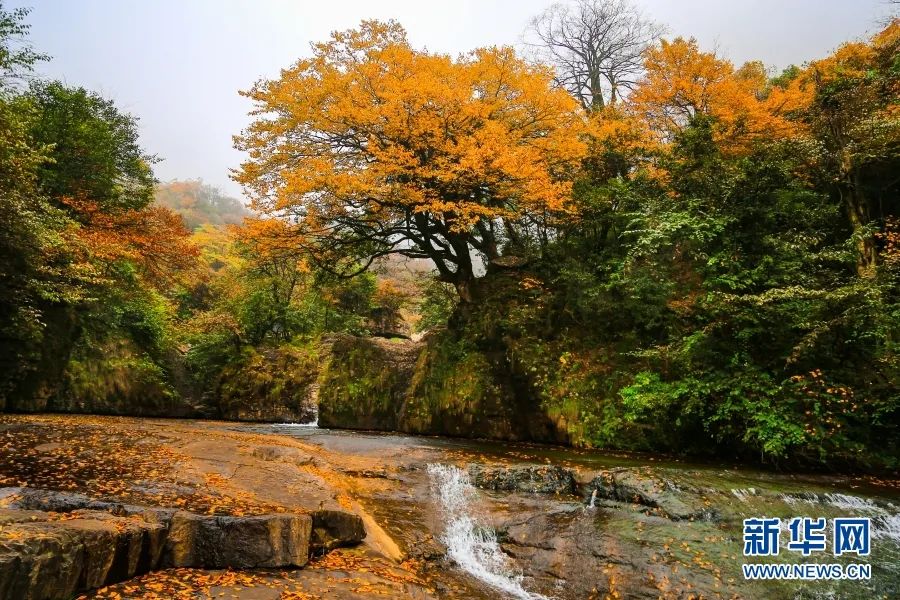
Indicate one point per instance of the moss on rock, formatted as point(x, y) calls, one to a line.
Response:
point(363, 382)
point(453, 391)
point(270, 384)
point(118, 379)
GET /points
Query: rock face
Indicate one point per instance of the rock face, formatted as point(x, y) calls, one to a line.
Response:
point(659, 495)
point(439, 385)
point(364, 382)
point(436, 386)
point(536, 479)
point(43, 556)
point(109, 378)
point(278, 540)
point(457, 390)
point(334, 528)
point(276, 385)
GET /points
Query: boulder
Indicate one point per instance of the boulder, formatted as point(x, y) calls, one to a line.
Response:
point(364, 381)
point(274, 385)
point(214, 542)
point(535, 479)
point(38, 562)
point(334, 528)
point(42, 556)
point(54, 544)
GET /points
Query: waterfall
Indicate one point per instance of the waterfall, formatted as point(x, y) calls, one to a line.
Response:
point(470, 544)
point(310, 424)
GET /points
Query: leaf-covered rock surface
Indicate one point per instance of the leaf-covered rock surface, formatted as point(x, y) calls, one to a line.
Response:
point(91, 501)
point(378, 526)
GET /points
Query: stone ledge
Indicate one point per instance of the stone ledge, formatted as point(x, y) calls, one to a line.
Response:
point(54, 544)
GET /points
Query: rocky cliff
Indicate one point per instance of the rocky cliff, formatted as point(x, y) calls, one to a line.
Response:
point(439, 385)
point(436, 386)
point(275, 385)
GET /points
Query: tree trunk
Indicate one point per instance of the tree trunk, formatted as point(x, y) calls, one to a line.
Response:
point(857, 207)
point(596, 93)
point(465, 289)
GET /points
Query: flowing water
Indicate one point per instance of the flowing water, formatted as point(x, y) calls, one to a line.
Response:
point(471, 542)
point(310, 424)
point(538, 546)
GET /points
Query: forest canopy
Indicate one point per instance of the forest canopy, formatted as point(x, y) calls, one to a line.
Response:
point(200, 204)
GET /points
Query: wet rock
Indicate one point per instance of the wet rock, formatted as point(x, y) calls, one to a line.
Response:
point(377, 473)
point(606, 553)
point(660, 495)
point(536, 479)
point(276, 540)
point(334, 528)
point(34, 499)
point(292, 456)
point(63, 502)
point(266, 452)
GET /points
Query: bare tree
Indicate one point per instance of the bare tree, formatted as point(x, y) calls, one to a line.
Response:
point(595, 45)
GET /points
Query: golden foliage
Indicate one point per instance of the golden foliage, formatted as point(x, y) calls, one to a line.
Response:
point(682, 82)
point(857, 110)
point(370, 126)
point(153, 238)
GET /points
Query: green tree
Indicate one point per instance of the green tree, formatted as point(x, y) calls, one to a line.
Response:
point(94, 149)
point(854, 120)
point(32, 256)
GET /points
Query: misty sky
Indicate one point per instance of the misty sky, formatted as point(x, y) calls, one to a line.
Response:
point(177, 64)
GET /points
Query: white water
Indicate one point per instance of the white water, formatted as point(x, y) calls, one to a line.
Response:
point(310, 424)
point(885, 518)
point(470, 544)
point(743, 494)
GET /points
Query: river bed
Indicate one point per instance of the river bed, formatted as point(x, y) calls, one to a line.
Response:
point(510, 543)
point(442, 517)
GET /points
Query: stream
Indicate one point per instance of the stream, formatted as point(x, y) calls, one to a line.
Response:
point(624, 526)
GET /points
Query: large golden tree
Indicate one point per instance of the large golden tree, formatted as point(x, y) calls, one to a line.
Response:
point(371, 147)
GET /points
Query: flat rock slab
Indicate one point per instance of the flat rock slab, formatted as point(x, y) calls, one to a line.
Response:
point(659, 495)
point(346, 574)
